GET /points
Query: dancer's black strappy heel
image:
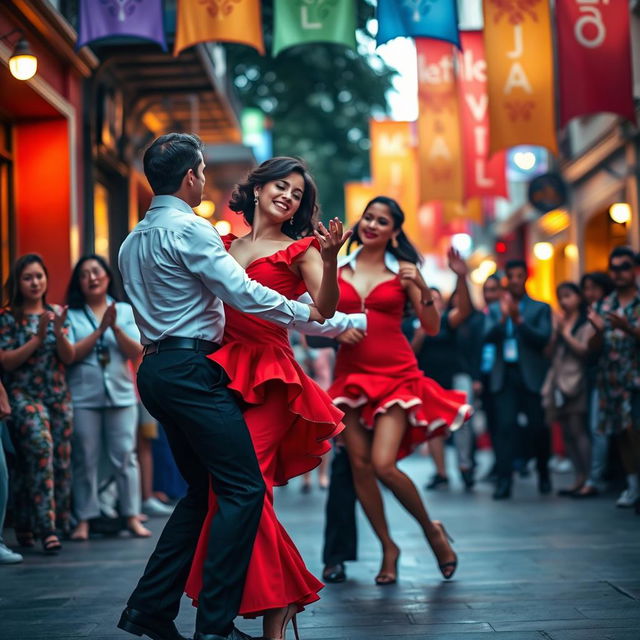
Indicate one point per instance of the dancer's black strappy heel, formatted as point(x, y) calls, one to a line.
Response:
point(447, 569)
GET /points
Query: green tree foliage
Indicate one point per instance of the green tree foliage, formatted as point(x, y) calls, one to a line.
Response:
point(319, 98)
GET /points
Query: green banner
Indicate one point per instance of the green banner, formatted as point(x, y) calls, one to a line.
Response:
point(304, 21)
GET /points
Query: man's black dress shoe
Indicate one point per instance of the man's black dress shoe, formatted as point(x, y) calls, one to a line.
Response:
point(334, 573)
point(144, 624)
point(234, 634)
point(503, 489)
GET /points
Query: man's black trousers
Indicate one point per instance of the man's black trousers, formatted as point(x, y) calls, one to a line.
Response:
point(209, 439)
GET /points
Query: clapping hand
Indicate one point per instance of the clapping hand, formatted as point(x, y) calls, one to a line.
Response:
point(331, 240)
point(619, 322)
point(109, 318)
point(59, 320)
point(456, 263)
point(596, 320)
point(43, 325)
point(509, 307)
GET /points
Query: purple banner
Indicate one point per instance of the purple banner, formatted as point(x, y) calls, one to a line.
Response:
point(112, 18)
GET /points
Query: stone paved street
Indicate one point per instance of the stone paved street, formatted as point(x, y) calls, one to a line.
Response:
point(530, 569)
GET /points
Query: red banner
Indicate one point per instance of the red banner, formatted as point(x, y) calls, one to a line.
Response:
point(482, 176)
point(439, 145)
point(594, 56)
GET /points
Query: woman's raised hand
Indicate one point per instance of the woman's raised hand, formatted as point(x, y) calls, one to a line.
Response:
point(331, 240)
point(411, 273)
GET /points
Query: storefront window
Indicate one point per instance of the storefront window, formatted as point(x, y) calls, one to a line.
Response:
point(101, 219)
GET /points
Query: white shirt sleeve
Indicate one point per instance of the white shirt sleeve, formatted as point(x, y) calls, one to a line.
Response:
point(202, 252)
point(332, 327)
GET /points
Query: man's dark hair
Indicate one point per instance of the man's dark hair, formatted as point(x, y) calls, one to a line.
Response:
point(168, 159)
point(515, 264)
point(623, 252)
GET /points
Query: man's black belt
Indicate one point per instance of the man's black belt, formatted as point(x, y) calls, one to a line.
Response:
point(188, 344)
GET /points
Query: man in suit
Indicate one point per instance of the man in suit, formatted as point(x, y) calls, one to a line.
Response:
point(520, 327)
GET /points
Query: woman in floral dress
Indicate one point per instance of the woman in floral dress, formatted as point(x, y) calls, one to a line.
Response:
point(34, 351)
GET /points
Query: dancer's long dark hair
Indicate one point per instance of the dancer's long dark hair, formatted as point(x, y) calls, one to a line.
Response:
point(303, 222)
point(13, 300)
point(582, 309)
point(75, 297)
point(405, 250)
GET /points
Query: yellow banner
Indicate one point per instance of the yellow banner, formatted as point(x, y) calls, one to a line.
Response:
point(470, 211)
point(520, 76)
point(394, 168)
point(440, 148)
point(356, 197)
point(220, 21)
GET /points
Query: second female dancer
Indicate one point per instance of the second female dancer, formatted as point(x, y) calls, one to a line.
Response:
point(390, 406)
point(289, 417)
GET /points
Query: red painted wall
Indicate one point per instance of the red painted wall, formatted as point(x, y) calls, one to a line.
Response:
point(43, 197)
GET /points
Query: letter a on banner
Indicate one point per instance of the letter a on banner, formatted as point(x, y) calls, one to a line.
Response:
point(440, 157)
point(483, 176)
point(218, 21)
point(519, 54)
point(305, 21)
point(594, 59)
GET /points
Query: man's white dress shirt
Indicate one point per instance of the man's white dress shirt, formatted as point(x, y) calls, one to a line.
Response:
point(177, 274)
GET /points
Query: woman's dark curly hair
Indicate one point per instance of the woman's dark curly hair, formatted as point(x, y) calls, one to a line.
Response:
point(242, 198)
point(13, 300)
point(405, 250)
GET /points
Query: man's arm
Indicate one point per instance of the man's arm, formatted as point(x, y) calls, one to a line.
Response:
point(201, 251)
point(332, 327)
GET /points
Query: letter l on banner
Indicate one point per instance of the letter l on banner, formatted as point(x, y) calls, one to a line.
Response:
point(483, 176)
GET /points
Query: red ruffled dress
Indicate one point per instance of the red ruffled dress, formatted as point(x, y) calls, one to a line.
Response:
point(381, 370)
point(290, 419)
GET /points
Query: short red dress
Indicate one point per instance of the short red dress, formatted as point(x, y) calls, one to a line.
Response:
point(290, 419)
point(381, 370)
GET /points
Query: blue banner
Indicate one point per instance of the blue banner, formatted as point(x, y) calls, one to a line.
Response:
point(436, 19)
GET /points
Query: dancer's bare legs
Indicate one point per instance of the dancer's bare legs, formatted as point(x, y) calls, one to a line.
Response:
point(373, 456)
point(359, 443)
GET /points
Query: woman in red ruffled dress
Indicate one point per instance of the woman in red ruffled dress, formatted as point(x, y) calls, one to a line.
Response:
point(390, 406)
point(289, 417)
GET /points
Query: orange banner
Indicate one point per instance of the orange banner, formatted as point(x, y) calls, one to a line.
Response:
point(519, 54)
point(470, 211)
point(220, 21)
point(356, 197)
point(439, 137)
point(394, 168)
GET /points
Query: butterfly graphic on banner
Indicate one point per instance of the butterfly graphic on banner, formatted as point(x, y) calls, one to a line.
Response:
point(417, 8)
point(516, 10)
point(322, 8)
point(520, 109)
point(220, 8)
point(122, 8)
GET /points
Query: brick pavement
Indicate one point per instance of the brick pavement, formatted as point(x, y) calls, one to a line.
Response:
point(531, 569)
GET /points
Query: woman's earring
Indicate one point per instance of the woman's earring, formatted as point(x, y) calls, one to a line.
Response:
point(394, 242)
point(291, 220)
point(255, 200)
